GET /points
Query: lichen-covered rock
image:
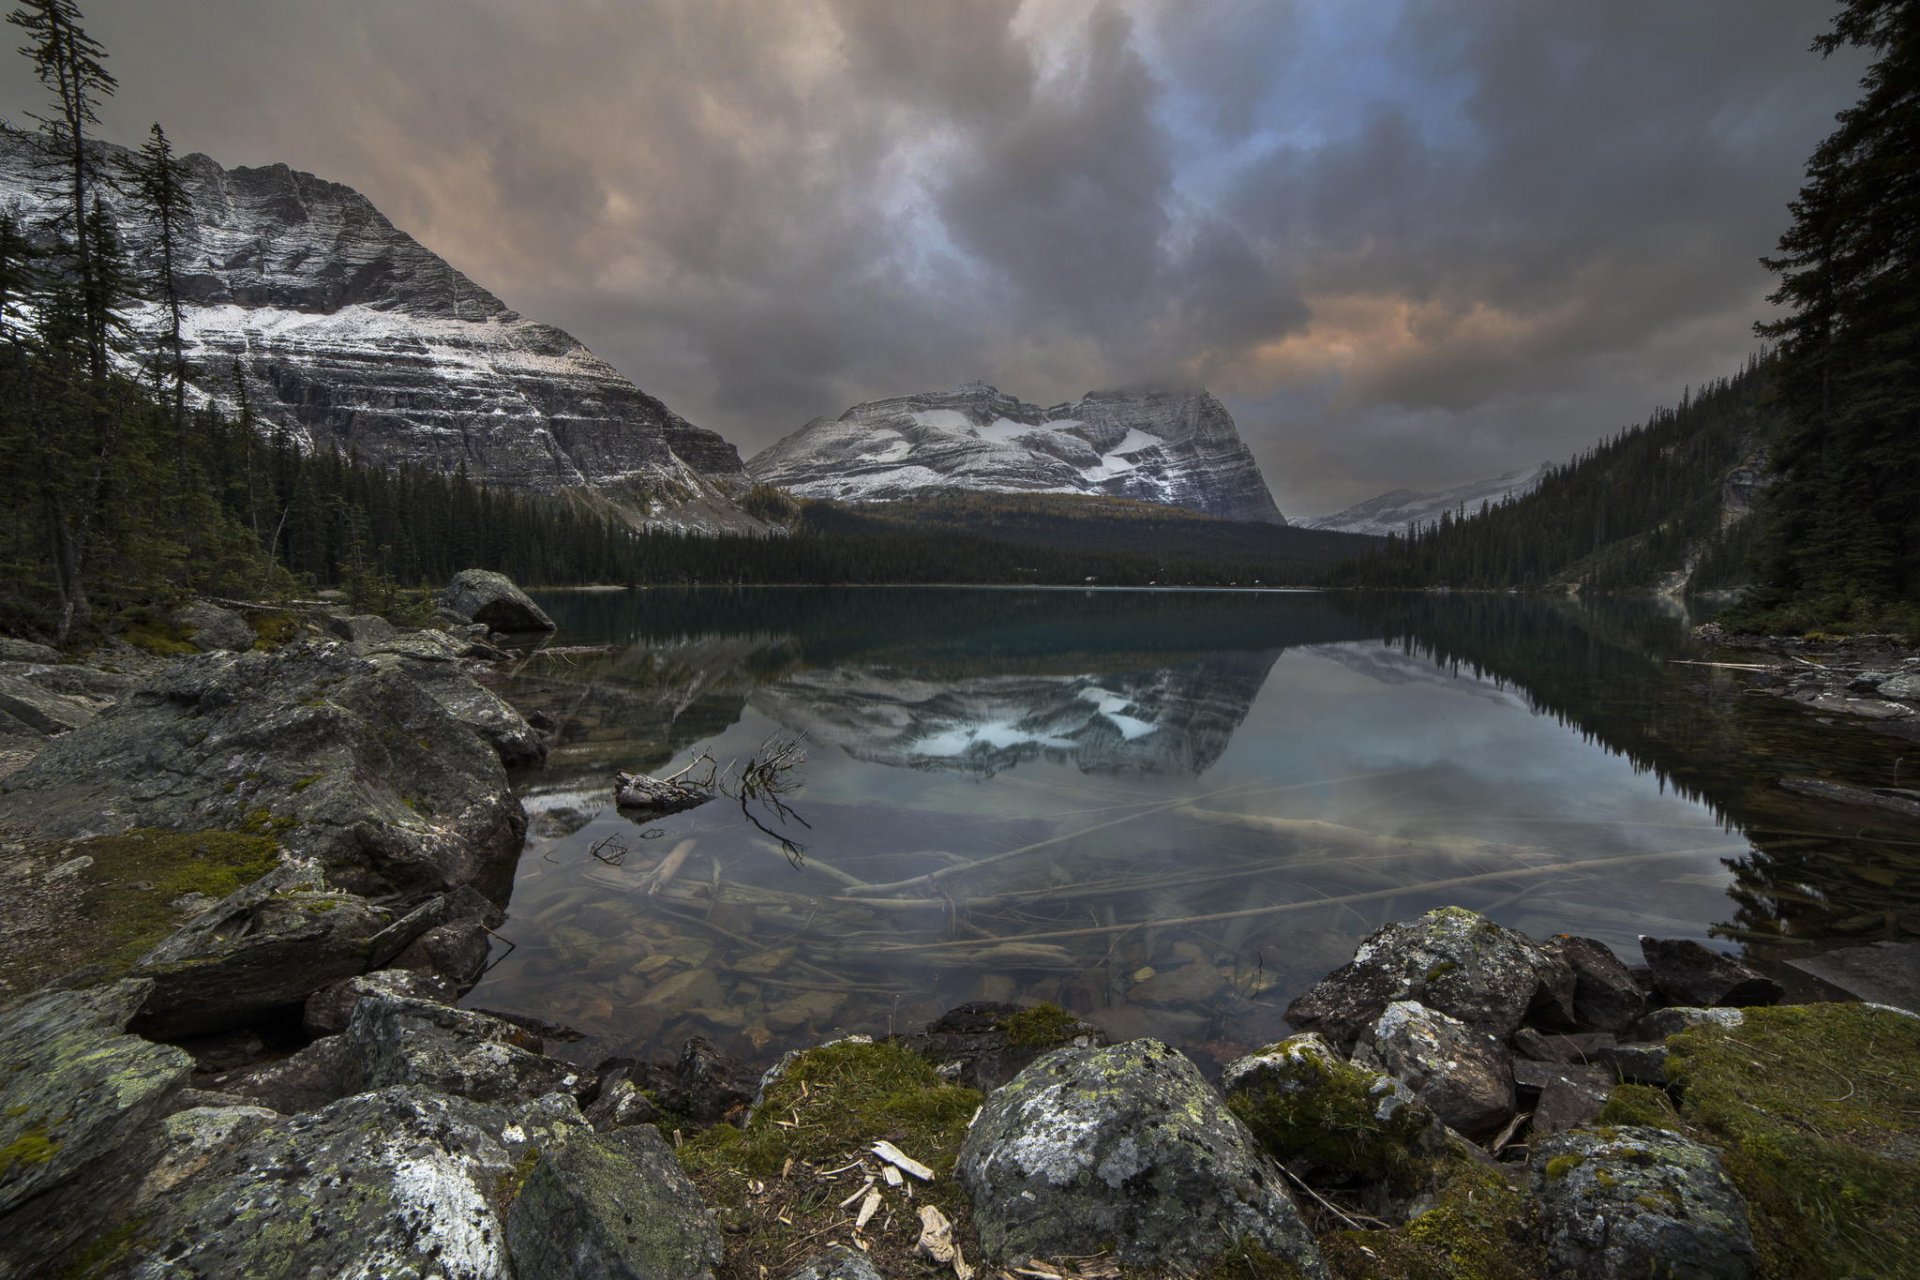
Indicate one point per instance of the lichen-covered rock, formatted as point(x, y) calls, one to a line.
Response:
point(325, 1071)
point(838, 1263)
point(361, 628)
point(1319, 1114)
point(1451, 960)
point(431, 658)
point(1605, 996)
point(620, 1105)
point(479, 595)
point(212, 629)
point(193, 1139)
point(262, 948)
point(1684, 972)
point(611, 1206)
point(399, 1183)
point(329, 1008)
point(1459, 1073)
point(1661, 1023)
point(1123, 1148)
point(342, 759)
point(13, 649)
point(1623, 1204)
point(79, 1102)
point(396, 1040)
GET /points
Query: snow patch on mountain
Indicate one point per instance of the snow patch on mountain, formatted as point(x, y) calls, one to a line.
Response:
point(1393, 511)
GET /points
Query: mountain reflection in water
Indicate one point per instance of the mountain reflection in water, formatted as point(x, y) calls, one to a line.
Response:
point(1168, 812)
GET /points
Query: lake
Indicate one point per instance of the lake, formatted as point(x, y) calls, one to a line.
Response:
point(1167, 811)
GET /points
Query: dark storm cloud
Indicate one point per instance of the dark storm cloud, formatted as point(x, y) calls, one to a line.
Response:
point(1411, 244)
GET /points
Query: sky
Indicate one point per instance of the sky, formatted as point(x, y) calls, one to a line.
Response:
point(1409, 244)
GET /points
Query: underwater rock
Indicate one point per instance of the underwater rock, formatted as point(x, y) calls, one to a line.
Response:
point(1459, 1073)
point(1622, 1204)
point(612, 1206)
point(983, 1044)
point(1123, 1148)
point(1451, 960)
point(1684, 972)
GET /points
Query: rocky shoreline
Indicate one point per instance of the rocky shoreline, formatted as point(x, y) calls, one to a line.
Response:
point(282, 860)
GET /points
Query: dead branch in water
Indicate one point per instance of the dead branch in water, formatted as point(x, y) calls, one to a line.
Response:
point(765, 780)
point(671, 794)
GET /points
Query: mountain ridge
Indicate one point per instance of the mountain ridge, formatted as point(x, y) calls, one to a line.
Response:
point(1394, 510)
point(1178, 448)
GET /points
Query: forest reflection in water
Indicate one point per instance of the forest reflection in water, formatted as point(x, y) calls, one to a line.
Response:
point(1168, 812)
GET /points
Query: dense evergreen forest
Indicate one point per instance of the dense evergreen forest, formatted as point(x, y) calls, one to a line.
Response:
point(1644, 504)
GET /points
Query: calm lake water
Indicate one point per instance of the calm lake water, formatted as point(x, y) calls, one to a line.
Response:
point(1169, 812)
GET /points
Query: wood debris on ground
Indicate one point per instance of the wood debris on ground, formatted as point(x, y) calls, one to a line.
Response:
point(937, 1242)
point(900, 1159)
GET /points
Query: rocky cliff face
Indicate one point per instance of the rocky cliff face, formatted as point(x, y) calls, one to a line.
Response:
point(1393, 511)
point(351, 334)
point(1179, 448)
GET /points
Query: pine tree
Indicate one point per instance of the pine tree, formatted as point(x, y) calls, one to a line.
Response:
point(1842, 537)
point(158, 183)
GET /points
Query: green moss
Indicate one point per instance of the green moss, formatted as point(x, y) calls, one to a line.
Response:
point(99, 1256)
point(127, 921)
point(1560, 1166)
point(1816, 1110)
point(507, 1189)
point(31, 1148)
point(272, 630)
point(1248, 1261)
point(1441, 970)
point(1481, 1229)
point(826, 1109)
point(1045, 1026)
point(307, 781)
point(1325, 1116)
point(264, 822)
point(1639, 1104)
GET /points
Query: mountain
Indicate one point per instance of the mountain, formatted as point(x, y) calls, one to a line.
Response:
point(1392, 512)
point(352, 335)
point(1176, 448)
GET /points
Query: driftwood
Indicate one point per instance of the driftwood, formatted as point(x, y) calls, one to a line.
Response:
point(672, 794)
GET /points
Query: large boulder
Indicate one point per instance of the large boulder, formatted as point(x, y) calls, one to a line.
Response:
point(1322, 1116)
point(613, 1206)
point(1451, 960)
point(1123, 1148)
point(399, 1182)
point(1459, 1073)
point(80, 1102)
point(263, 948)
point(1686, 973)
point(1626, 1203)
point(1605, 996)
point(212, 629)
point(343, 759)
point(480, 595)
point(396, 1040)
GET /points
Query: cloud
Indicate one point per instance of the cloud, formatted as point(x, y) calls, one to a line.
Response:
point(1412, 243)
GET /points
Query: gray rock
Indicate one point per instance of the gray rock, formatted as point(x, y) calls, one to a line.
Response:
point(396, 1040)
point(1531, 1076)
point(401, 1182)
point(79, 1106)
point(456, 951)
point(612, 1206)
point(1457, 1072)
point(1563, 1046)
point(1628, 1203)
point(620, 1105)
point(1904, 687)
point(1123, 1148)
point(448, 683)
point(1319, 1114)
point(45, 704)
point(1881, 972)
point(361, 628)
point(838, 1263)
point(969, 1045)
point(1684, 972)
point(13, 650)
point(212, 629)
point(325, 1071)
point(1661, 1023)
point(1569, 1104)
point(263, 948)
point(480, 595)
point(192, 1140)
point(1636, 1063)
point(460, 906)
point(1451, 960)
point(347, 761)
point(329, 1008)
point(1605, 996)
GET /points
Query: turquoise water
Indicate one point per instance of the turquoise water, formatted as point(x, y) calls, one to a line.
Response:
point(1168, 812)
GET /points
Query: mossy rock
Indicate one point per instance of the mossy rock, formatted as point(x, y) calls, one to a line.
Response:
point(1816, 1110)
point(1315, 1112)
point(1480, 1229)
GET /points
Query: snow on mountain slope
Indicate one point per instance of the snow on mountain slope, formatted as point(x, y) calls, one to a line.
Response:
point(1392, 512)
point(349, 333)
point(1178, 448)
